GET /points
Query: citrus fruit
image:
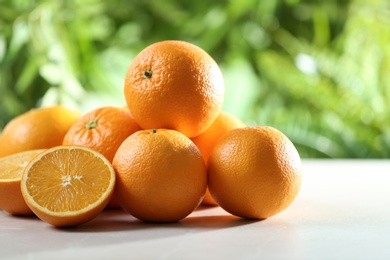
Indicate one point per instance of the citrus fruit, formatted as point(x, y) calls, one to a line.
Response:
point(206, 141)
point(161, 175)
point(11, 169)
point(102, 129)
point(174, 85)
point(221, 125)
point(37, 129)
point(254, 172)
point(68, 185)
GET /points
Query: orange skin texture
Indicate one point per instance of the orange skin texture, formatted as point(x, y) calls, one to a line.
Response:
point(161, 176)
point(174, 85)
point(254, 172)
point(206, 142)
point(224, 123)
point(37, 129)
point(113, 126)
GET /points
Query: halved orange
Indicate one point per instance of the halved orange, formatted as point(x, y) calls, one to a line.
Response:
point(11, 170)
point(68, 185)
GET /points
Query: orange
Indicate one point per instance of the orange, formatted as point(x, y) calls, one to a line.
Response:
point(174, 85)
point(224, 123)
point(254, 172)
point(37, 129)
point(68, 185)
point(161, 176)
point(11, 169)
point(103, 130)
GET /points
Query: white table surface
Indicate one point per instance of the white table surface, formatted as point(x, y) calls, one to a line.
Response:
point(341, 212)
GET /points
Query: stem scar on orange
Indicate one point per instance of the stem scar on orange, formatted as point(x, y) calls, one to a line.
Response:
point(102, 129)
point(174, 85)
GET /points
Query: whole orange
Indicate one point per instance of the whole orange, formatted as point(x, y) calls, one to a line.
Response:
point(161, 175)
point(224, 123)
point(254, 172)
point(102, 129)
point(37, 129)
point(206, 141)
point(174, 85)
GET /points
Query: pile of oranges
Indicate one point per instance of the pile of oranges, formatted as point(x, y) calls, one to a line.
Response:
point(168, 150)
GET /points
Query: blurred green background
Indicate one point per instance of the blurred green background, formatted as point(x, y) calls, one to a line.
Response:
point(317, 70)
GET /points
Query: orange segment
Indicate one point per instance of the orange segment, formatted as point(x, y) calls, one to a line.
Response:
point(68, 185)
point(11, 169)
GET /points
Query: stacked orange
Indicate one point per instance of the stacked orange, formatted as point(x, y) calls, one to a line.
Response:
point(206, 141)
point(103, 130)
point(37, 129)
point(162, 156)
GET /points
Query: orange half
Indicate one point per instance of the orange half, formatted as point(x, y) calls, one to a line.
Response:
point(11, 170)
point(68, 185)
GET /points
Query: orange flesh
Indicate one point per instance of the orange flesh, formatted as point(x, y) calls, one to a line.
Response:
point(11, 167)
point(11, 170)
point(70, 186)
